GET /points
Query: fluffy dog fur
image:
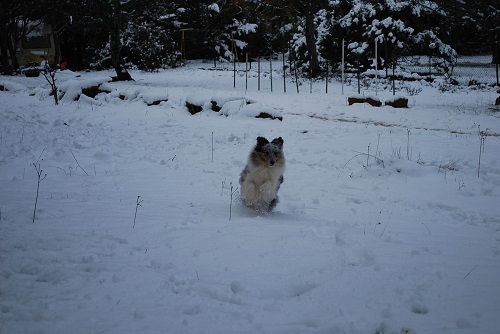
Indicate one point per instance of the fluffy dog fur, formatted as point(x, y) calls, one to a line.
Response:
point(263, 175)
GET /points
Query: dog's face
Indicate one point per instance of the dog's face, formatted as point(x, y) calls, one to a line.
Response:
point(268, 154)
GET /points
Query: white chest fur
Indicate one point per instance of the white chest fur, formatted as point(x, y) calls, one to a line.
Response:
point(260, 186)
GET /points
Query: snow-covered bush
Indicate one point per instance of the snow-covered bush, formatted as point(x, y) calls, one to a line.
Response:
point(400, 28)
point(149, 47)
point(216, 29)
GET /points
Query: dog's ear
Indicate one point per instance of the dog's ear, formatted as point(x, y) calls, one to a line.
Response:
point(278, 142)
point(261, 141)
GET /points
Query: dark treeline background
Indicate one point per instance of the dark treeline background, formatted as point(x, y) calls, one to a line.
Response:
point(120, 34)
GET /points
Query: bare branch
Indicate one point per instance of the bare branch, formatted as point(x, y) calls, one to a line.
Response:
point(79, 163)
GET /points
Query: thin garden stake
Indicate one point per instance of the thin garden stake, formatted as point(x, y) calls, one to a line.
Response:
point(310, 78)
point(343, 65)
point(246, 71)
point(376, 67)
point(358, 75)
point(430, 67)
point(183, 46)
point(296, 75)
point(271, 70)
point(284, 73)
point(497, 55)
point(408, 145)
point(326, 77)
point(234, 69)
point(393, 78)
point(481, 143)
point(258, 73)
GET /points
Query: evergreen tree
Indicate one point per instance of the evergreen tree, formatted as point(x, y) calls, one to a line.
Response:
point(216, 29)
point(405, 27)
point(470, 25)
point(148, 39)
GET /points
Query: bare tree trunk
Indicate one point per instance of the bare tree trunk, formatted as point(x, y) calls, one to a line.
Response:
point(11, 47)
point(115, 43)
point(311, 43)
point(4, 58)
point(57, 48)
point(12, 52)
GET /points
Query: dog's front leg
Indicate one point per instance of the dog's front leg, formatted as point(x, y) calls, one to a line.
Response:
point(249, 193)
point(268, 192)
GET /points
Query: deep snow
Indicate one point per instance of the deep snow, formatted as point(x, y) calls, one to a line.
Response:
point(354, 246)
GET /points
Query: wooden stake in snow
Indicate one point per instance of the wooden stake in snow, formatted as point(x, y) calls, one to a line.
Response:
point(284, 73)
point(231, 202)
point(343, 46)
point(408, 145)
point(394, 78)
point(295, 71)
point(326, 77)
point(430, 67)
point(358, 76)
point(258, 73)
point(310, 77)
point(246, 71)
point(183, 47)
point(271, 69)
point(376, 68)
point(234, 62)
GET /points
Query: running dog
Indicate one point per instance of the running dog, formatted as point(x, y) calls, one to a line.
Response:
point(263, 175)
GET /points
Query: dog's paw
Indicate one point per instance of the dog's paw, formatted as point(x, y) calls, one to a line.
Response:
point(273, 203)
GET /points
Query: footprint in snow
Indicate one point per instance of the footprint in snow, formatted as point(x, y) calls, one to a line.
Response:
point(299, 289)
point(419, 309)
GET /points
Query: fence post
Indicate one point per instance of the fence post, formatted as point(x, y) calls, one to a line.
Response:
point(258, 73)
point(343, 66)
point(234, 60)
point(215, 58)
point(326, 76)
point(234, 71)
point(296, 75)
point(430, 67)
point(310, 78)
point(183, 48)
point(497, 56)
point(284, 73)
point(376, 67)
point(359, 77)
point(271, 69)
point(393, 77)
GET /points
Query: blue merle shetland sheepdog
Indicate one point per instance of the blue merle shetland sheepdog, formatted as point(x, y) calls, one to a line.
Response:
point(263, 175)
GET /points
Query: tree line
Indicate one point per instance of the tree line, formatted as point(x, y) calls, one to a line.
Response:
point(148, 35)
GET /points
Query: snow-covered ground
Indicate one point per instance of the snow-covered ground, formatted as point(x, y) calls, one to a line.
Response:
point(407, 242)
